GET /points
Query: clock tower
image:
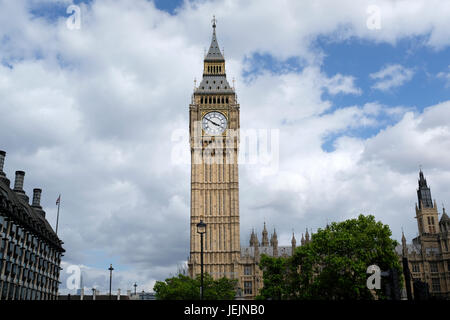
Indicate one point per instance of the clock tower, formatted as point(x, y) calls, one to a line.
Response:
point(214, 142)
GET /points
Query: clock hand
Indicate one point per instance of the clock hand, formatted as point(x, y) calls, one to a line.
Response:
point(213, 122)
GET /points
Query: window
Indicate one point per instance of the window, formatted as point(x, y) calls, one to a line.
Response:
point(436, 284)
point(448, 265)
point(433, 267)
point(247, 287)
point(13, 230)
point(416, 267)
point(247, 270)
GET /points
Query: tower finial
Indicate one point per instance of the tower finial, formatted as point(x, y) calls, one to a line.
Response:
point(214, 21)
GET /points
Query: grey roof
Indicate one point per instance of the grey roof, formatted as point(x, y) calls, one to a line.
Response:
point(214, 84)
point(444, 217)
point(17, 207)
point(214, 53)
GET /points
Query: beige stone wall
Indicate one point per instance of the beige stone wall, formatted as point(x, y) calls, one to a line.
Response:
point(215, 195)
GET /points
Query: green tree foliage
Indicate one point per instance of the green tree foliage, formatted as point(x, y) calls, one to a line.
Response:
point(182, 287)
point(334, 264)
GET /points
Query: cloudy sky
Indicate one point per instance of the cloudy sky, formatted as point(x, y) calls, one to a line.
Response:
point(359, 93)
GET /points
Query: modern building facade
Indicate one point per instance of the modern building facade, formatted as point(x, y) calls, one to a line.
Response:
point(30, 251)
point(428, 255)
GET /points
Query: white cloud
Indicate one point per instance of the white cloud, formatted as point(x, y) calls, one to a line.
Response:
point(89, 114)
point(445, 76)
point(391, 76)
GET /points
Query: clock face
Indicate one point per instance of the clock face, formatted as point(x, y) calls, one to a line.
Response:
point(214, 123)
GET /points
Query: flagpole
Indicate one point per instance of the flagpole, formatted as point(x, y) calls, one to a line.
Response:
point(57, 214)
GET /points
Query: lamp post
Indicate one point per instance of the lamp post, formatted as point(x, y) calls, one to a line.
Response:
point(110, 279)
point(201, 229)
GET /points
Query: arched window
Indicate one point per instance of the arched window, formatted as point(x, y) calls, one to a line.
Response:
point(209, 69)
point(223, 100)
point(220, 68)
point(226, 100)
point(214, 100)
point(201, 100)
point(210, 100)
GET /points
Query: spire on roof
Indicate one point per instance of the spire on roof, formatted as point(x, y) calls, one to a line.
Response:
point(424, 193)
point(404, 246)
point(265, 239)
point(444, 216)
point(214, 52)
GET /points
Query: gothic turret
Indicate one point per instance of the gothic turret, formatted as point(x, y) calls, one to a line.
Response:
point(265, 237)
point(404, 247)
point(424, 193)
point(293, 243)
point(274, 243)
point(214, 76)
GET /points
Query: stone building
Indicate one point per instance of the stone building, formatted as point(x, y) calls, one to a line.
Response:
point(30, 251)
point(214, 124)
point(250, 275)
point(428, 255)
point(214, 128)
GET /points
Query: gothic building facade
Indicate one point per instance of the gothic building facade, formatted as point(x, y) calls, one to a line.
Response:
point(214, 124)
point(251, 276)
point(428, 255)
point(30, 251)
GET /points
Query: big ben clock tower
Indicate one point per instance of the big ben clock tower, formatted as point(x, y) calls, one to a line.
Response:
point(214, 141)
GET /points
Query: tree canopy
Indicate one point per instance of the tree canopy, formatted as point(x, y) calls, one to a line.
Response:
point(333, 264)
point(183, 287)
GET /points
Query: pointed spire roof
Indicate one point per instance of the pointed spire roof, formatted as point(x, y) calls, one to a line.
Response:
point(214, 53)
point(293, 241)
point(424, 193)
point(265, 239)
point(404, 246)
point(444, 216)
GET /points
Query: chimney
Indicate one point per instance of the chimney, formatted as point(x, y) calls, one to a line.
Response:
point(82, 294)
point(2, 162)
point(94, 293)
point(37, 198)
point(36, 204)
point(18, 185)
point(118, 294)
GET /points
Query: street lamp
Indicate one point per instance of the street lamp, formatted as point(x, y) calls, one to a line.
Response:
point(201, 229)
point(110, 279)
